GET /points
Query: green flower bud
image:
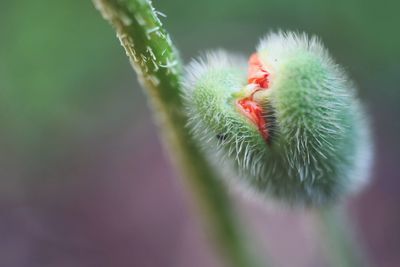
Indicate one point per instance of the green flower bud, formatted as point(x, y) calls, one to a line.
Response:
point(292, 127)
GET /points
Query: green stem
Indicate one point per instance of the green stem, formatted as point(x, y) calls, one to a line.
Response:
point(159, 69)
point(340, 243)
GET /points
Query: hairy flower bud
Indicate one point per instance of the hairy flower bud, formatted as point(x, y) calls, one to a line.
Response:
point(288, 120)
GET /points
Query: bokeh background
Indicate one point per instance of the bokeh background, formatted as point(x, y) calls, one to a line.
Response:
point(83, 179)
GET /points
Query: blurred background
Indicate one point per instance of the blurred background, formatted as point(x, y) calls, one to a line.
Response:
point(83, 179)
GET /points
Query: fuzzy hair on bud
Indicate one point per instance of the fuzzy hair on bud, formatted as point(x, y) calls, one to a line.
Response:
point(301, 135)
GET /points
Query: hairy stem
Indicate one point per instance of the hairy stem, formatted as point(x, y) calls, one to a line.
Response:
point(159, 68)
point(339, 240)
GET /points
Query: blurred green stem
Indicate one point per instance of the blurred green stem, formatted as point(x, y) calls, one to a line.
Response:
point(338, 235)
point(159, 70)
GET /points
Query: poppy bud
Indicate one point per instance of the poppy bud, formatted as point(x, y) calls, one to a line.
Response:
point(287, 121)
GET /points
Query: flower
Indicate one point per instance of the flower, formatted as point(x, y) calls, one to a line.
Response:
point(291, 126)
